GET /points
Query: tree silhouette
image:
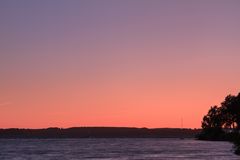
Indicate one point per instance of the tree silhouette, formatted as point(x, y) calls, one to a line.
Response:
point(228, 112)
point(225, 116)
point(213, 119)
point(223, 123)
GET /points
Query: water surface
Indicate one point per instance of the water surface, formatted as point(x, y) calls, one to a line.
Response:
point(111, 149)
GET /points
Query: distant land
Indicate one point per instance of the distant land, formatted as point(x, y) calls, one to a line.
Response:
point(99, 132)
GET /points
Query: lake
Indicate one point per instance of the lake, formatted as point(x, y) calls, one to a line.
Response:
point(110, 149)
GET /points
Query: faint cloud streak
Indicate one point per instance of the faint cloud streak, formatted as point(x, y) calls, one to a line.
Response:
point(5, 104)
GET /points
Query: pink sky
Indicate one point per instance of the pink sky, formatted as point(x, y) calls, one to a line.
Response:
point(116, 63)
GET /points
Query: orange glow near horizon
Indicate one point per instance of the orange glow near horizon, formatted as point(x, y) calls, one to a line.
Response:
point(142, 64)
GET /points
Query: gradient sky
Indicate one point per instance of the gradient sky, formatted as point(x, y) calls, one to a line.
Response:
point(116, 63)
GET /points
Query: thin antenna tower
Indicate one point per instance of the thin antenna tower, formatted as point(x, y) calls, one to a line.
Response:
point(181, 123)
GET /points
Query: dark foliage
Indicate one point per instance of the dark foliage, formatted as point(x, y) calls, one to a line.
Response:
point(223, 123)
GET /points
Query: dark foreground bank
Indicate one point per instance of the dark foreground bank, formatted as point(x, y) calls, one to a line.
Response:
point(218, 134)
point(99, 132)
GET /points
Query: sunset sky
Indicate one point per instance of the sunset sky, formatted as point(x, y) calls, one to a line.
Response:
point(135, 63)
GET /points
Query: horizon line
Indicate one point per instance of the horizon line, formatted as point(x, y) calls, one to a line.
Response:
point(99, 127)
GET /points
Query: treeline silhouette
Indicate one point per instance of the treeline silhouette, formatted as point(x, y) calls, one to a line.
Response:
point(222, 123)
point(99, 132)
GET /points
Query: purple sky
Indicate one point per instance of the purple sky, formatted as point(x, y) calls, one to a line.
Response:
point(116, 63)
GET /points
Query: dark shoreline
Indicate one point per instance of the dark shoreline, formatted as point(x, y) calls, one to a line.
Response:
point(98, 132)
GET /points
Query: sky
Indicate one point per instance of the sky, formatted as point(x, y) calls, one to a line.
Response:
point(132, 63)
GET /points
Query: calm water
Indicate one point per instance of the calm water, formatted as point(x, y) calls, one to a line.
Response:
point(108, 149)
